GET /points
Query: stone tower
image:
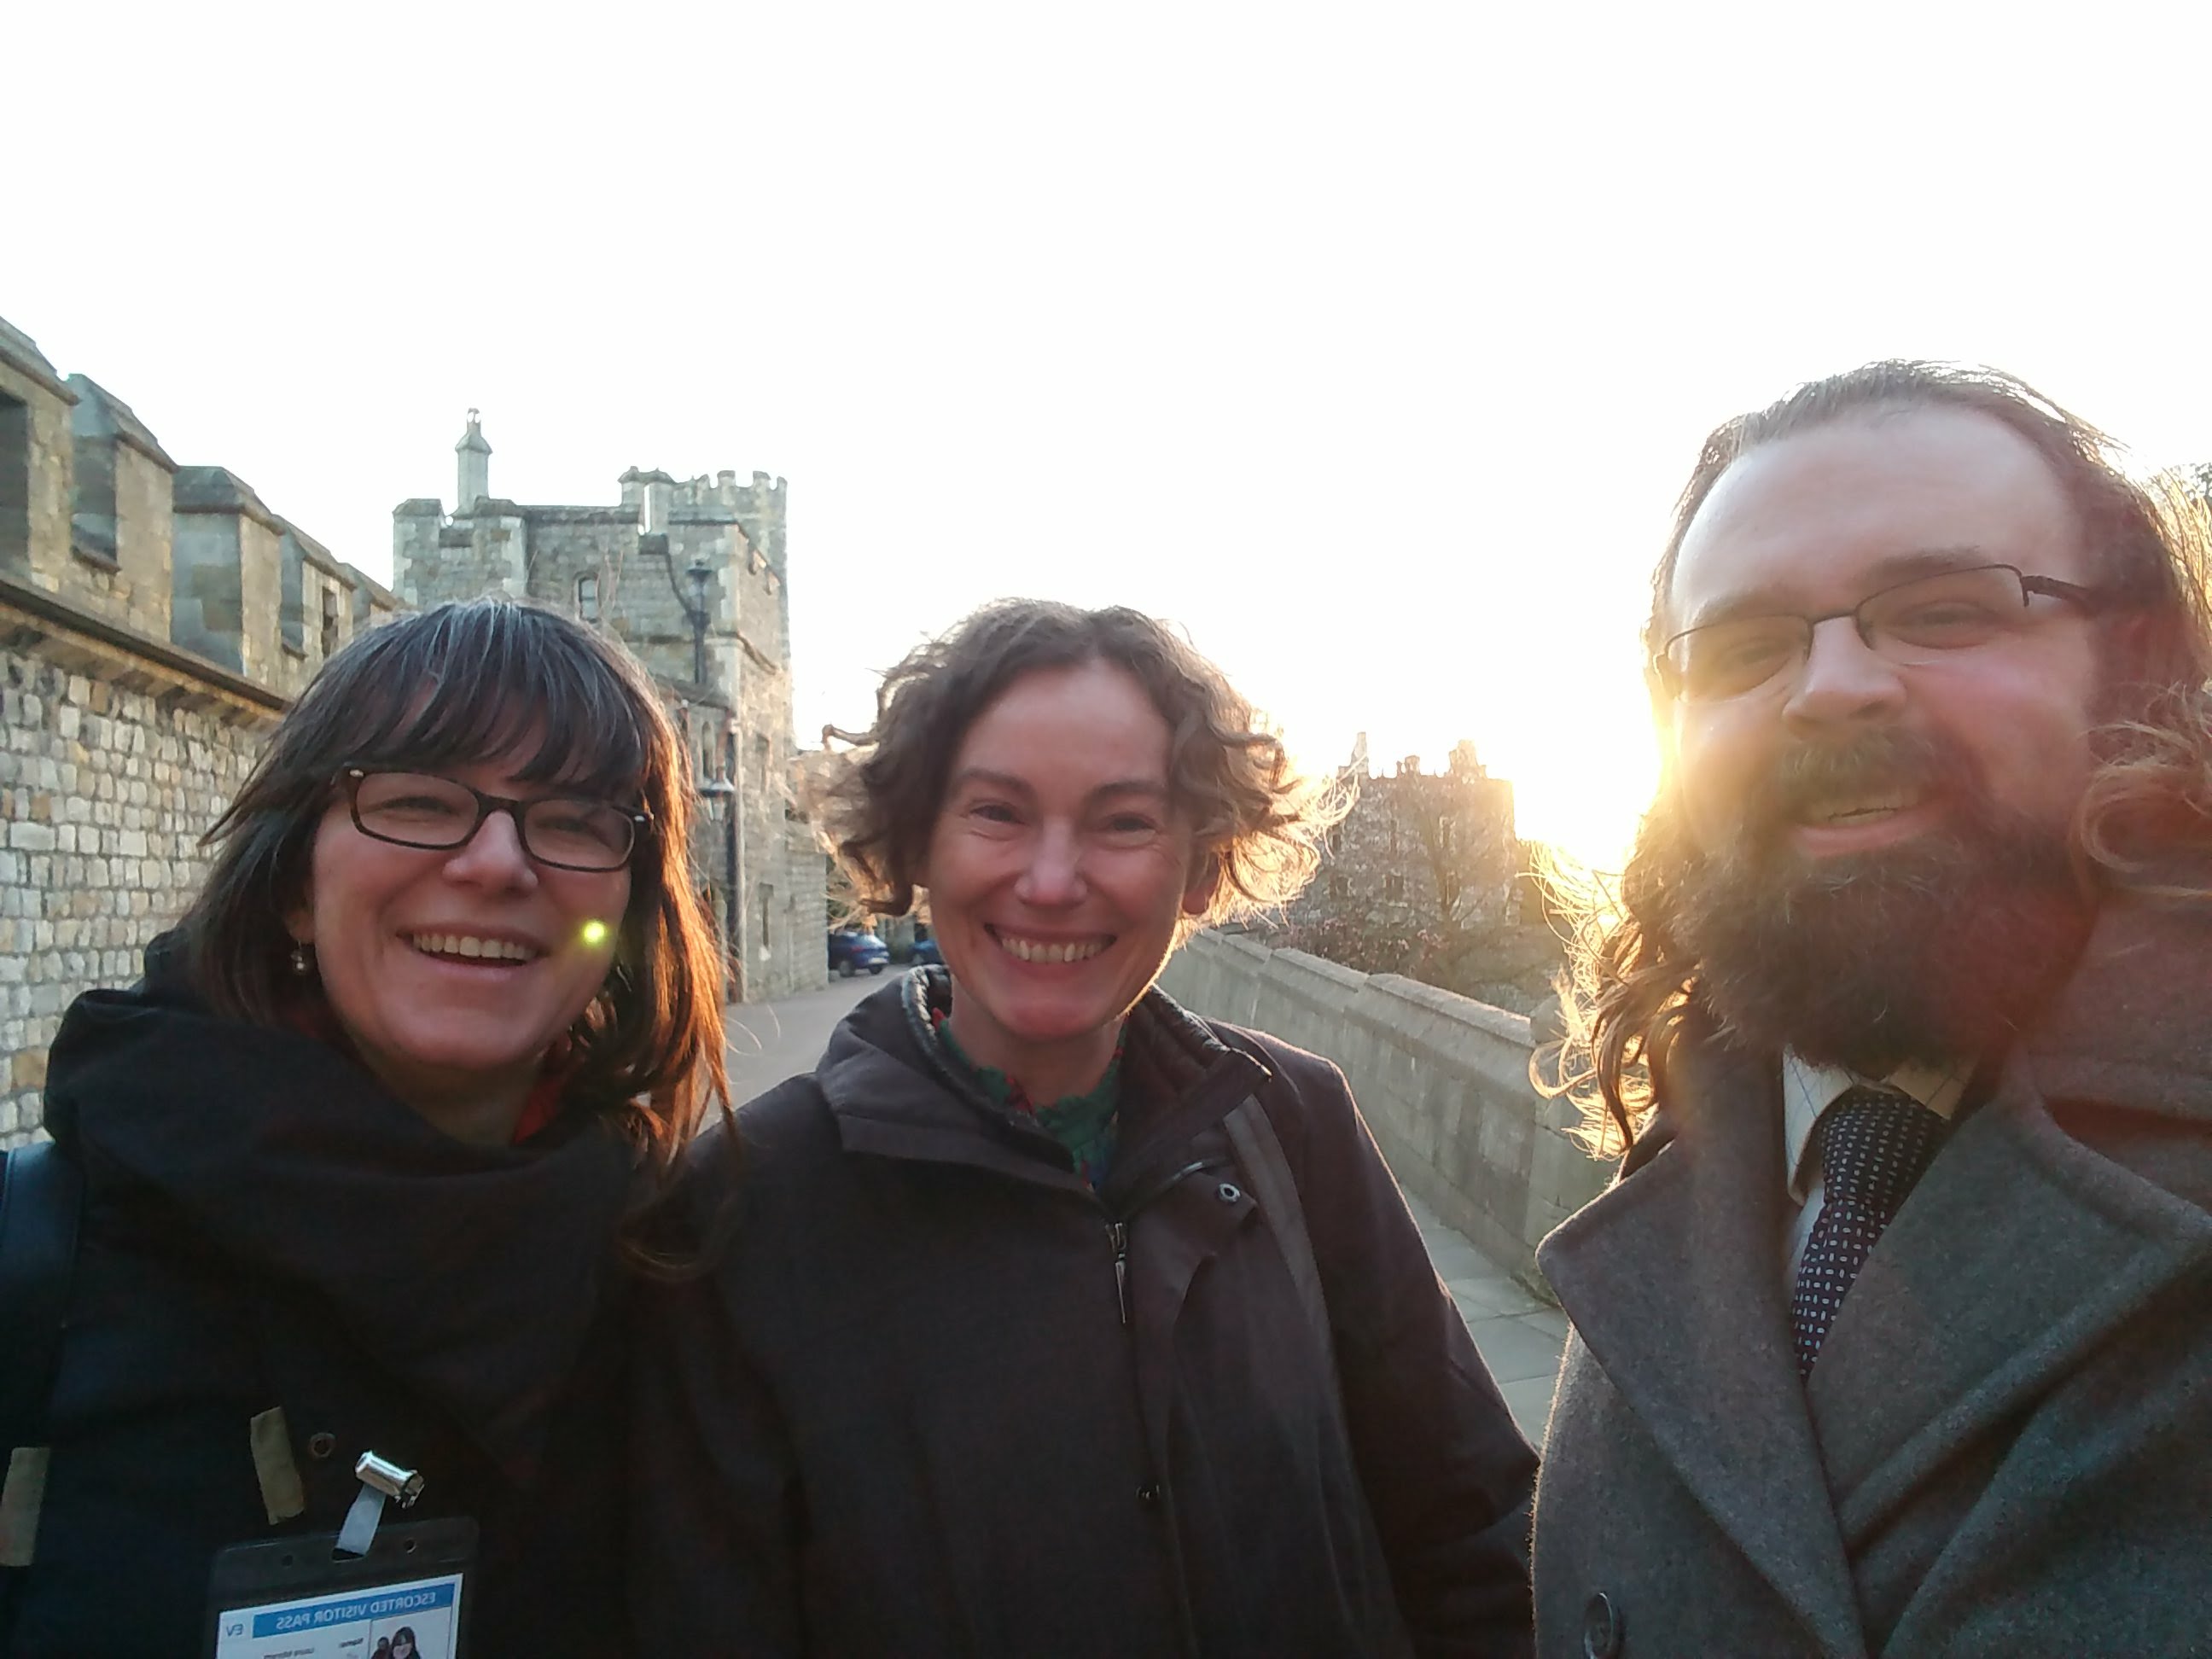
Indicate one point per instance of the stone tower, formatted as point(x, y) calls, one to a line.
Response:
point(484, 549)
point(690, 574)
point(474, 470)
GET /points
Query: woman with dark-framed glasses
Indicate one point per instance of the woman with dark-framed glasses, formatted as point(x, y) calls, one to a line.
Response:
point(359, 1150)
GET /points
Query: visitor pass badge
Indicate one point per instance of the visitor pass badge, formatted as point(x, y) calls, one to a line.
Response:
point(303, 1598)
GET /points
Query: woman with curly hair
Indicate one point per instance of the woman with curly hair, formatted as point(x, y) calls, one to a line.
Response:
point(1046, 1317)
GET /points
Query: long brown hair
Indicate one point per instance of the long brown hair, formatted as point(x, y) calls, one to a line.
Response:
point(1633, 984)
point(456, 685)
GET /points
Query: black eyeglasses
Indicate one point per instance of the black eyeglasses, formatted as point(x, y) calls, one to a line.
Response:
point(421, 809)
point(1912, 623)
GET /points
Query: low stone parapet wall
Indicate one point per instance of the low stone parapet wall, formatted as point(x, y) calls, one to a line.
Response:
point(1443, 1081)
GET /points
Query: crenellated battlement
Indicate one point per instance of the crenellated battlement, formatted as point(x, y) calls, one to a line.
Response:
point(668, 559)
point(95, 514)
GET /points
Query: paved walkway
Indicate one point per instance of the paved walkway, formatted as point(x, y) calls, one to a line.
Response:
point(1519, 1336)
point(772, 1041)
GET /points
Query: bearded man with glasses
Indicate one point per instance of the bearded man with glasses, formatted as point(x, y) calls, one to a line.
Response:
point(1891, 1337)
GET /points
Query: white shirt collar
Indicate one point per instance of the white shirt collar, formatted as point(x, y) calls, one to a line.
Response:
point(1809, 1090)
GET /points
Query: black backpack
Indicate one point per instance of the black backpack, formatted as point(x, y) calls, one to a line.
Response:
point(41, 1198)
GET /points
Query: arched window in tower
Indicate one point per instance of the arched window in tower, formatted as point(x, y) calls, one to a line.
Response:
point(587, 597)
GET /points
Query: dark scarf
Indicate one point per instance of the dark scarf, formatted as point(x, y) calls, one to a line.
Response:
point(471, 1272)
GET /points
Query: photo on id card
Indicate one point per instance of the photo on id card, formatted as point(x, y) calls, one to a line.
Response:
point(291, 1599)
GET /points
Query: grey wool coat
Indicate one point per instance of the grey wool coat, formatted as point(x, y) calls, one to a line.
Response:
point(2006, 1446)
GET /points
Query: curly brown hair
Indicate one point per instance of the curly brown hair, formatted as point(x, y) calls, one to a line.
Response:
point(1254, 814)
point(1631, 985)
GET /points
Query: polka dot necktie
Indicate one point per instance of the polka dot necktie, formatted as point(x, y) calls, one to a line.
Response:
point(1873, 1146)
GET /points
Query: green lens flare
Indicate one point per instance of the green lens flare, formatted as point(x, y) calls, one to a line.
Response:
point(595, 934)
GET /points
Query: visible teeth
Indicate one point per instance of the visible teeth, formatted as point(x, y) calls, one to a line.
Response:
point(1024, 950)
point(468, 946)
point(1840, 811)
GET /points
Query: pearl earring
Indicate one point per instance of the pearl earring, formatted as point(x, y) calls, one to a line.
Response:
point(302, 963)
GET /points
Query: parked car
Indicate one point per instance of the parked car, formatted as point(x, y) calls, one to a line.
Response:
point(852, 949)
point(925, 950)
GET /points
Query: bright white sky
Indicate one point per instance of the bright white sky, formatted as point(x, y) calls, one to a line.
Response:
point(1371, 343)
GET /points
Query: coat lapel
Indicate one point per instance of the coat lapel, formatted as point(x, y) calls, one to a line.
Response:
point(2031, 1238)
point(1674, 1282)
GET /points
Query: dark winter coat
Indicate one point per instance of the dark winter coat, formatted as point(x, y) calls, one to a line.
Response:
point(2006, 1447)
point(265, 1228)
point(907, 1413)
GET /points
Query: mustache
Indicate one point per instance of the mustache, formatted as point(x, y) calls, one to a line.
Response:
point(1807, 775)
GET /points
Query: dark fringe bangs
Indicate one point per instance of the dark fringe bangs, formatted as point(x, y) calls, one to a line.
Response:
point(492, 679)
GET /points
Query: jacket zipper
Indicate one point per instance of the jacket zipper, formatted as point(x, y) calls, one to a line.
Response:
point(1117, 1232)
point(1117, 1235)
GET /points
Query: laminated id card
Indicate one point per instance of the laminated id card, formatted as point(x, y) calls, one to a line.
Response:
point(296, 1598)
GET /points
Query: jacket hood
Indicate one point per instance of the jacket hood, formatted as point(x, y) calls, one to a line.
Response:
point(291, 1162)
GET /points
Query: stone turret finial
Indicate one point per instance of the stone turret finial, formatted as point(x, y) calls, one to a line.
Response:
point(474, 469)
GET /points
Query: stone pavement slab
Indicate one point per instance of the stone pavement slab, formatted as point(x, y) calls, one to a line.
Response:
point(1519, 1335)
point(770, 1041)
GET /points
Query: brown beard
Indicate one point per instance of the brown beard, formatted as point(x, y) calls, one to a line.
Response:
point(1939, 947)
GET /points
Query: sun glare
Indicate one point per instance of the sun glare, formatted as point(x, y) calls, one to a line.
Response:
point(1578, 746)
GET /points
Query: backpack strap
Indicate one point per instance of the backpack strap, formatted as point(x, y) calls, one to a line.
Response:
point(1276, 1189)
point(41, 1198)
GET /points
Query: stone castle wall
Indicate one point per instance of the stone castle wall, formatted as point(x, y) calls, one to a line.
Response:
point(156, 620)
point(146, 650)
point(113, 765)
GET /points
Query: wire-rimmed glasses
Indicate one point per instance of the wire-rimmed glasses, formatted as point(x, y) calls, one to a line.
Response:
point(1909, 622)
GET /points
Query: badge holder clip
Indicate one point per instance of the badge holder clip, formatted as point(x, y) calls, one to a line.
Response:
point(379, 1479)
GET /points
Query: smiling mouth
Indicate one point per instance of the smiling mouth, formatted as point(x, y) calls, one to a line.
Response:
point(1845, 813)
point(470, 947)
point(1049, 950)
